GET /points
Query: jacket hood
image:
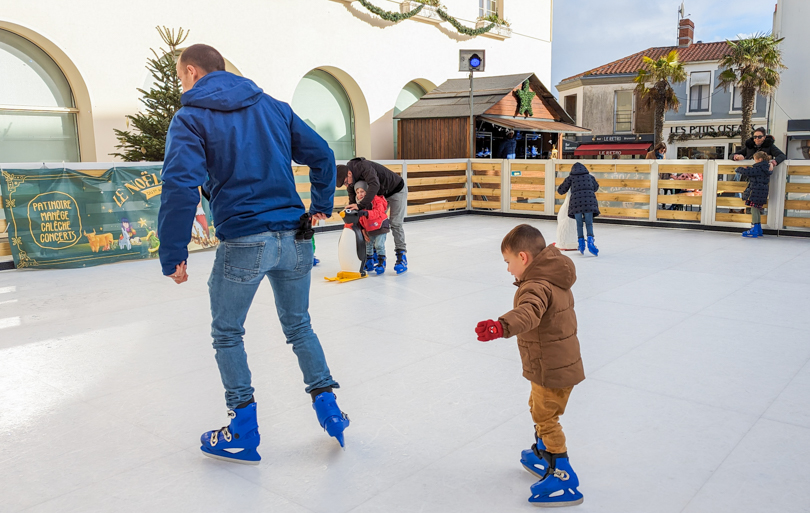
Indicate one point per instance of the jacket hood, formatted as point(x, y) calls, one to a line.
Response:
point(767, 143)
point(579, 169)
point(552, 266)
point(765, 166)
point(220, 90)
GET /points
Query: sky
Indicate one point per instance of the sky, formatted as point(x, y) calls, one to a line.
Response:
point(589, 33)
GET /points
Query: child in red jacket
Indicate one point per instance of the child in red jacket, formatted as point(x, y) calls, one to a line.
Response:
point(375, 225)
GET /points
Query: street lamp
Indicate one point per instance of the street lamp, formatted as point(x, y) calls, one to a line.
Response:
point(472, 61)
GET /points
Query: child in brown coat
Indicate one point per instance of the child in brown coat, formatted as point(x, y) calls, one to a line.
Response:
point(544, 321)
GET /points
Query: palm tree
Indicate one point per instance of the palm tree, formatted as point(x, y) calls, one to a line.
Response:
point(752, 65)
point(661, 73)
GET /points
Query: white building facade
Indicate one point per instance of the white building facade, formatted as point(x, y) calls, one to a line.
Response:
point(71, 69)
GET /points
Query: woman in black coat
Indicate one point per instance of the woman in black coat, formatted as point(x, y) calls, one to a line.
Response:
point(583, 205)
point(756, 194)
point(760, 142)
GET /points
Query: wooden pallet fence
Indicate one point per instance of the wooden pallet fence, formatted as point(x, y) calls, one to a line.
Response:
point(436, 186)
point(486, 185)
point(728, 207)
point(614, 187)
point(797, 197)
point(680, 192)
point(528, 186)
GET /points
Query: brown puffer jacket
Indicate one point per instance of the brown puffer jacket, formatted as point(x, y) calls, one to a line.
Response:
point(545, 323)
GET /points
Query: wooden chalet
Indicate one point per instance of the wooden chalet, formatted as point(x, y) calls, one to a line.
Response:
point(437, 125)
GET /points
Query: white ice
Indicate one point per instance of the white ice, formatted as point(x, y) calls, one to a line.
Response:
point(697, 398)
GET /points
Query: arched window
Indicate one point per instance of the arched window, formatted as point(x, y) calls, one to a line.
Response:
point(323, 104)
point(37, 112)
point(407, 97)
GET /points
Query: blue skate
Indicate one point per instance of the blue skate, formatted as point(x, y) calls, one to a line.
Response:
point(581, 246)
point(559, 486)
point(592, 246)
point(755, 231)
point(532, 459)
point(236, 442)
point(402, 262)
point(380, 267)
point(371, 262)
point(315, 261)
point(331, 419)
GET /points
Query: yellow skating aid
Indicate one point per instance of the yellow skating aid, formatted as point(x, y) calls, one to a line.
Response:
point(344, 276)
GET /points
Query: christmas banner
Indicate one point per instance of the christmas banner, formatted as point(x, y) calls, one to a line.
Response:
point(59, 218)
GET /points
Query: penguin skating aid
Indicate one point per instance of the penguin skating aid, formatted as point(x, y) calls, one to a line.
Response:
point(351, 249)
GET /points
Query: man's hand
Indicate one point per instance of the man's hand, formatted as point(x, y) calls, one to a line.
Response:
point(317, 217)
point(489, 330)
point(737, 156)
point(353, 206)
point(180, 275)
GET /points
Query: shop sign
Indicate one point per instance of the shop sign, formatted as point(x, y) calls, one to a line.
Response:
point(706, 129)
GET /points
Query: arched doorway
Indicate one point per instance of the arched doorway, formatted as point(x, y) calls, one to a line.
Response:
point(407, 97)
point(322, 102)
point(38, 113)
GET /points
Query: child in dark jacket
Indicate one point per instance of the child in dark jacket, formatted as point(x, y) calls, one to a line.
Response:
point(583, 205)
point(375, 224)
point(544, 321)
point(756, 193)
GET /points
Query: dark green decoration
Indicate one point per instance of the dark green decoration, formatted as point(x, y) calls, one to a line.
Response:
point(467, 31)
point(394, 17)
point(147, 140)
point(524, 97)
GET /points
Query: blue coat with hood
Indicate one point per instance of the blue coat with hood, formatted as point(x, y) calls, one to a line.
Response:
point(583, 188)
point(238, 143)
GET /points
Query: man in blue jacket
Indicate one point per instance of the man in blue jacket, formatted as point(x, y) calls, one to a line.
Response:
point(237, 143)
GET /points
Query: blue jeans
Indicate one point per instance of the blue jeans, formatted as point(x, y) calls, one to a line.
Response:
point(239, 268)
point(377, 244)
point(587, 218)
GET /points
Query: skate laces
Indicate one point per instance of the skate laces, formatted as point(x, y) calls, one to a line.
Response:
point(561, 474)
point(226, 433)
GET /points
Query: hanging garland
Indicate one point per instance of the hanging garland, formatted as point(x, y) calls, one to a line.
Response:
point(714, 134)
point(394, 17)
point(467, 31)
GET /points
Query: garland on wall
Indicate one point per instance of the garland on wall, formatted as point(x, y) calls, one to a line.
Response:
point(713, 134)
point(396, 17)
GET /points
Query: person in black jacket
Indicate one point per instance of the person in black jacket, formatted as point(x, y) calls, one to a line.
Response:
point(756, 194)
point(508, 146)
point(383, 182)
point(583, 206)
point(760, 142)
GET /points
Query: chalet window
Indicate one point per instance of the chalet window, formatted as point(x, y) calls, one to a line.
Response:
point(623, 112)
point(699, 91)
point(571, 106)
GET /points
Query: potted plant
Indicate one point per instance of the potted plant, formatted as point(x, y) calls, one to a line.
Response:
point(428, 12)
point(501, 30)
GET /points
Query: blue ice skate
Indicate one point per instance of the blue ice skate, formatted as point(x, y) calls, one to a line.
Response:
point(402, 262)
point(371, 262)
point(380, 267)
point(755, 231)
point(532, 459)
point(315, 261)
point(559, 486)
point(331, 419)
point(581, 246)
point(592, 246)
point(236, 442)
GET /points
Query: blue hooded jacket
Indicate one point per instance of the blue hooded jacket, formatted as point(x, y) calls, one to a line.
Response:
point(238, 143)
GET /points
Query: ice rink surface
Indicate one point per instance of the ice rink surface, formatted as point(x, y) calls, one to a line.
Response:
point(696, 348)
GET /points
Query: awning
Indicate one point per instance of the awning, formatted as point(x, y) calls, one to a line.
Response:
point(613, 149)
point(535, 125)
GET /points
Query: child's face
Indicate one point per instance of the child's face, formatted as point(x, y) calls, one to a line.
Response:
point(360, 194)
point(516, 263)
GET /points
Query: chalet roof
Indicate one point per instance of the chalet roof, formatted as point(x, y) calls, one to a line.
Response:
point(632, 63)
point(452, 98)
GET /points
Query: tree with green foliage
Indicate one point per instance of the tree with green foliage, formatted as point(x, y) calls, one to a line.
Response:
point(752, 65)
point(661, 73)
point(147, 140)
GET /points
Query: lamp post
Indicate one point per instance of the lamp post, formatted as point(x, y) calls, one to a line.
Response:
point(472, 61)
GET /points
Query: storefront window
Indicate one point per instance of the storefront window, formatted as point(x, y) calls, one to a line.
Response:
point(701, 152)
point(37, 113)
point(623, 112)
point(323, 104)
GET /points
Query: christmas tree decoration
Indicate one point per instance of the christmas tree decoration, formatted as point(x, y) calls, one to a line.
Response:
point(524, 97)
point(394, 17)
point(147, 140)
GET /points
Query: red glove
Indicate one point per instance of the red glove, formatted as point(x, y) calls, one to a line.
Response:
point(489, 330)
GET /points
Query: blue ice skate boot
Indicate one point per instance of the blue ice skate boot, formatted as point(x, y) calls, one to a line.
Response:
point(380, 267)
point(759, 230)
point(236, 442)
point(752, 233)
point(581, 246)
point(592, 247)
point(315, 261)
point(402, 262)
point(532, 459)
point(559, 486)
point(331, 419)
point(371, 262)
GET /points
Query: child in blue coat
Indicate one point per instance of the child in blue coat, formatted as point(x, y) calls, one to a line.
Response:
point(583, 205)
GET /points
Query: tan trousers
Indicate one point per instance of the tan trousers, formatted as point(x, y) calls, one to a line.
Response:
point(546, 405)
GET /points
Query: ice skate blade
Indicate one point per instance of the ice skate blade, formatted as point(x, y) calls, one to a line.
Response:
point(558, 504)
point(533, 471)
point(230, 460)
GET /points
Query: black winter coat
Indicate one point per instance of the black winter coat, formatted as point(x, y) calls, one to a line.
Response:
point(767, 146)
point(759, 177)
point(583, 188)
point(381, 181)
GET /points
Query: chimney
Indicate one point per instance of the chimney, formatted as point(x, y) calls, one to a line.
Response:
point(686, 33)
